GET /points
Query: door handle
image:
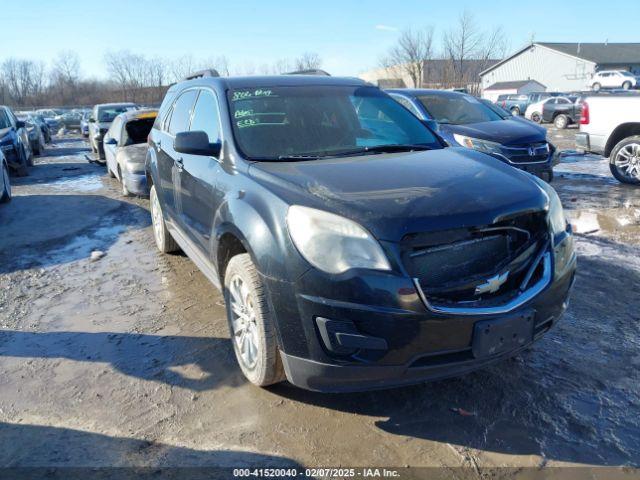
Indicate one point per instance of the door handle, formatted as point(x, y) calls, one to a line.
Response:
point(158, 145)
point(179, 164)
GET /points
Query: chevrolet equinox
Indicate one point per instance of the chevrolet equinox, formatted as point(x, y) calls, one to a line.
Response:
point(353, 250)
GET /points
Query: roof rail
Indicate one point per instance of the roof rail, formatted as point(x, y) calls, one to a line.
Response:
point(311, 71)
point(210, 72)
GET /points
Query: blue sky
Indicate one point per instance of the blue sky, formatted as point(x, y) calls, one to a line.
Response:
point(350, 36)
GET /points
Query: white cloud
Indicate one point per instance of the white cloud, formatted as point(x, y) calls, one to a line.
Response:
point(386, 28)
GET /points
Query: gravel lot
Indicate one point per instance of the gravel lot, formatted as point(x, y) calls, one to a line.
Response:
point(126, 360)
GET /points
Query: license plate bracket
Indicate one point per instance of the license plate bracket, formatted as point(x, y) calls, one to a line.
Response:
point(501, 335)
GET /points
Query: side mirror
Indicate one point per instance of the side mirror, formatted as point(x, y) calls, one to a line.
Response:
point(20, 124)
point(111, 141)
point(431, 124)
point(92, 120)
point(196, 143)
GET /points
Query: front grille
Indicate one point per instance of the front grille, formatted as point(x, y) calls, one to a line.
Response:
point(451, 266)
point(522, 154)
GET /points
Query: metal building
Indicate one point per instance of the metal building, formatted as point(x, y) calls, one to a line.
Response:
point(563, 67)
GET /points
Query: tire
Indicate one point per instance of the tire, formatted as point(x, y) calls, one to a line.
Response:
point(5, 195)
point(536, 117)
point(626, 151)
point(21, 169)
point(561, 121)
point(37, 151)
point(162, 236)
point(251, 327)
point(29, 158)
point(515, 111)
point(125, 190)
point(596, 87)
point(626, 85)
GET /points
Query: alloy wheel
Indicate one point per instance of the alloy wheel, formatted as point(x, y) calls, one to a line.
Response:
point(627, 161)
point(243, 322)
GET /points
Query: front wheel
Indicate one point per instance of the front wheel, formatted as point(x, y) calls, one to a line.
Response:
point(515, 111)
point(536, 117)
point(596, 87)
point(251, 326)
point(5, 195)
point(626, 85)
point(561, 122)
point(162, 236)
point(624, 161)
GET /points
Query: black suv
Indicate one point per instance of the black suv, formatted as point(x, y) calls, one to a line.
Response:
point(353, 249)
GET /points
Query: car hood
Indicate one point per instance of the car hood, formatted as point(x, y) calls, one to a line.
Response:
point(506, 132)
point(134, 153)
point(395, 194)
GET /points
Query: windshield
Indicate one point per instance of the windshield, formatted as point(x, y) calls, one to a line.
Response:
point(319, 121)
point(458, 109)
point(627, 74)
point(107, 114)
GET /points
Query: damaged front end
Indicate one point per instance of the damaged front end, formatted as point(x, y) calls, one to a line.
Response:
point(482, 270)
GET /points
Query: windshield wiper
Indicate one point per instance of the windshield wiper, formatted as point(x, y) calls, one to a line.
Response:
point(384, 149)
point(295, 158)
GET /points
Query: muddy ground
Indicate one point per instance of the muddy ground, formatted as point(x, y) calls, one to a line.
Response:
point(126, 360)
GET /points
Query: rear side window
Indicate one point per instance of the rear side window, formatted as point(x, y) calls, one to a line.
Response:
point(182, 110)
point(205, 116)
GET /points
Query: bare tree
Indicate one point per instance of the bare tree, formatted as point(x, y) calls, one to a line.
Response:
point(410, 54)
point(308, 61)
point(466, 41)
point(462, 43)
point(21, 79)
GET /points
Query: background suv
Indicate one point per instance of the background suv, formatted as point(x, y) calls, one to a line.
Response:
point(100, 120)
point(353, 249)
point(613, 79)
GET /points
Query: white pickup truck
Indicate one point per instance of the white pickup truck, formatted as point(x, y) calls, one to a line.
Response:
point(610, 125)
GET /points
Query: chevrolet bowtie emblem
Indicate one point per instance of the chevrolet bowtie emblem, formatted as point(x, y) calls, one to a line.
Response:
point(493, 284)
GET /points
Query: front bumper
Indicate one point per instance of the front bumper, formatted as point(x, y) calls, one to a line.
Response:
point(405, 342)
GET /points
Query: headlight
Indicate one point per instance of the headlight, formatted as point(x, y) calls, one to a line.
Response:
point(333, 243)
point(477, 144)
point(555, 215)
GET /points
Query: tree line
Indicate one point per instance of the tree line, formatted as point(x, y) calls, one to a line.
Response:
point(132, 77)
point(466, 49)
